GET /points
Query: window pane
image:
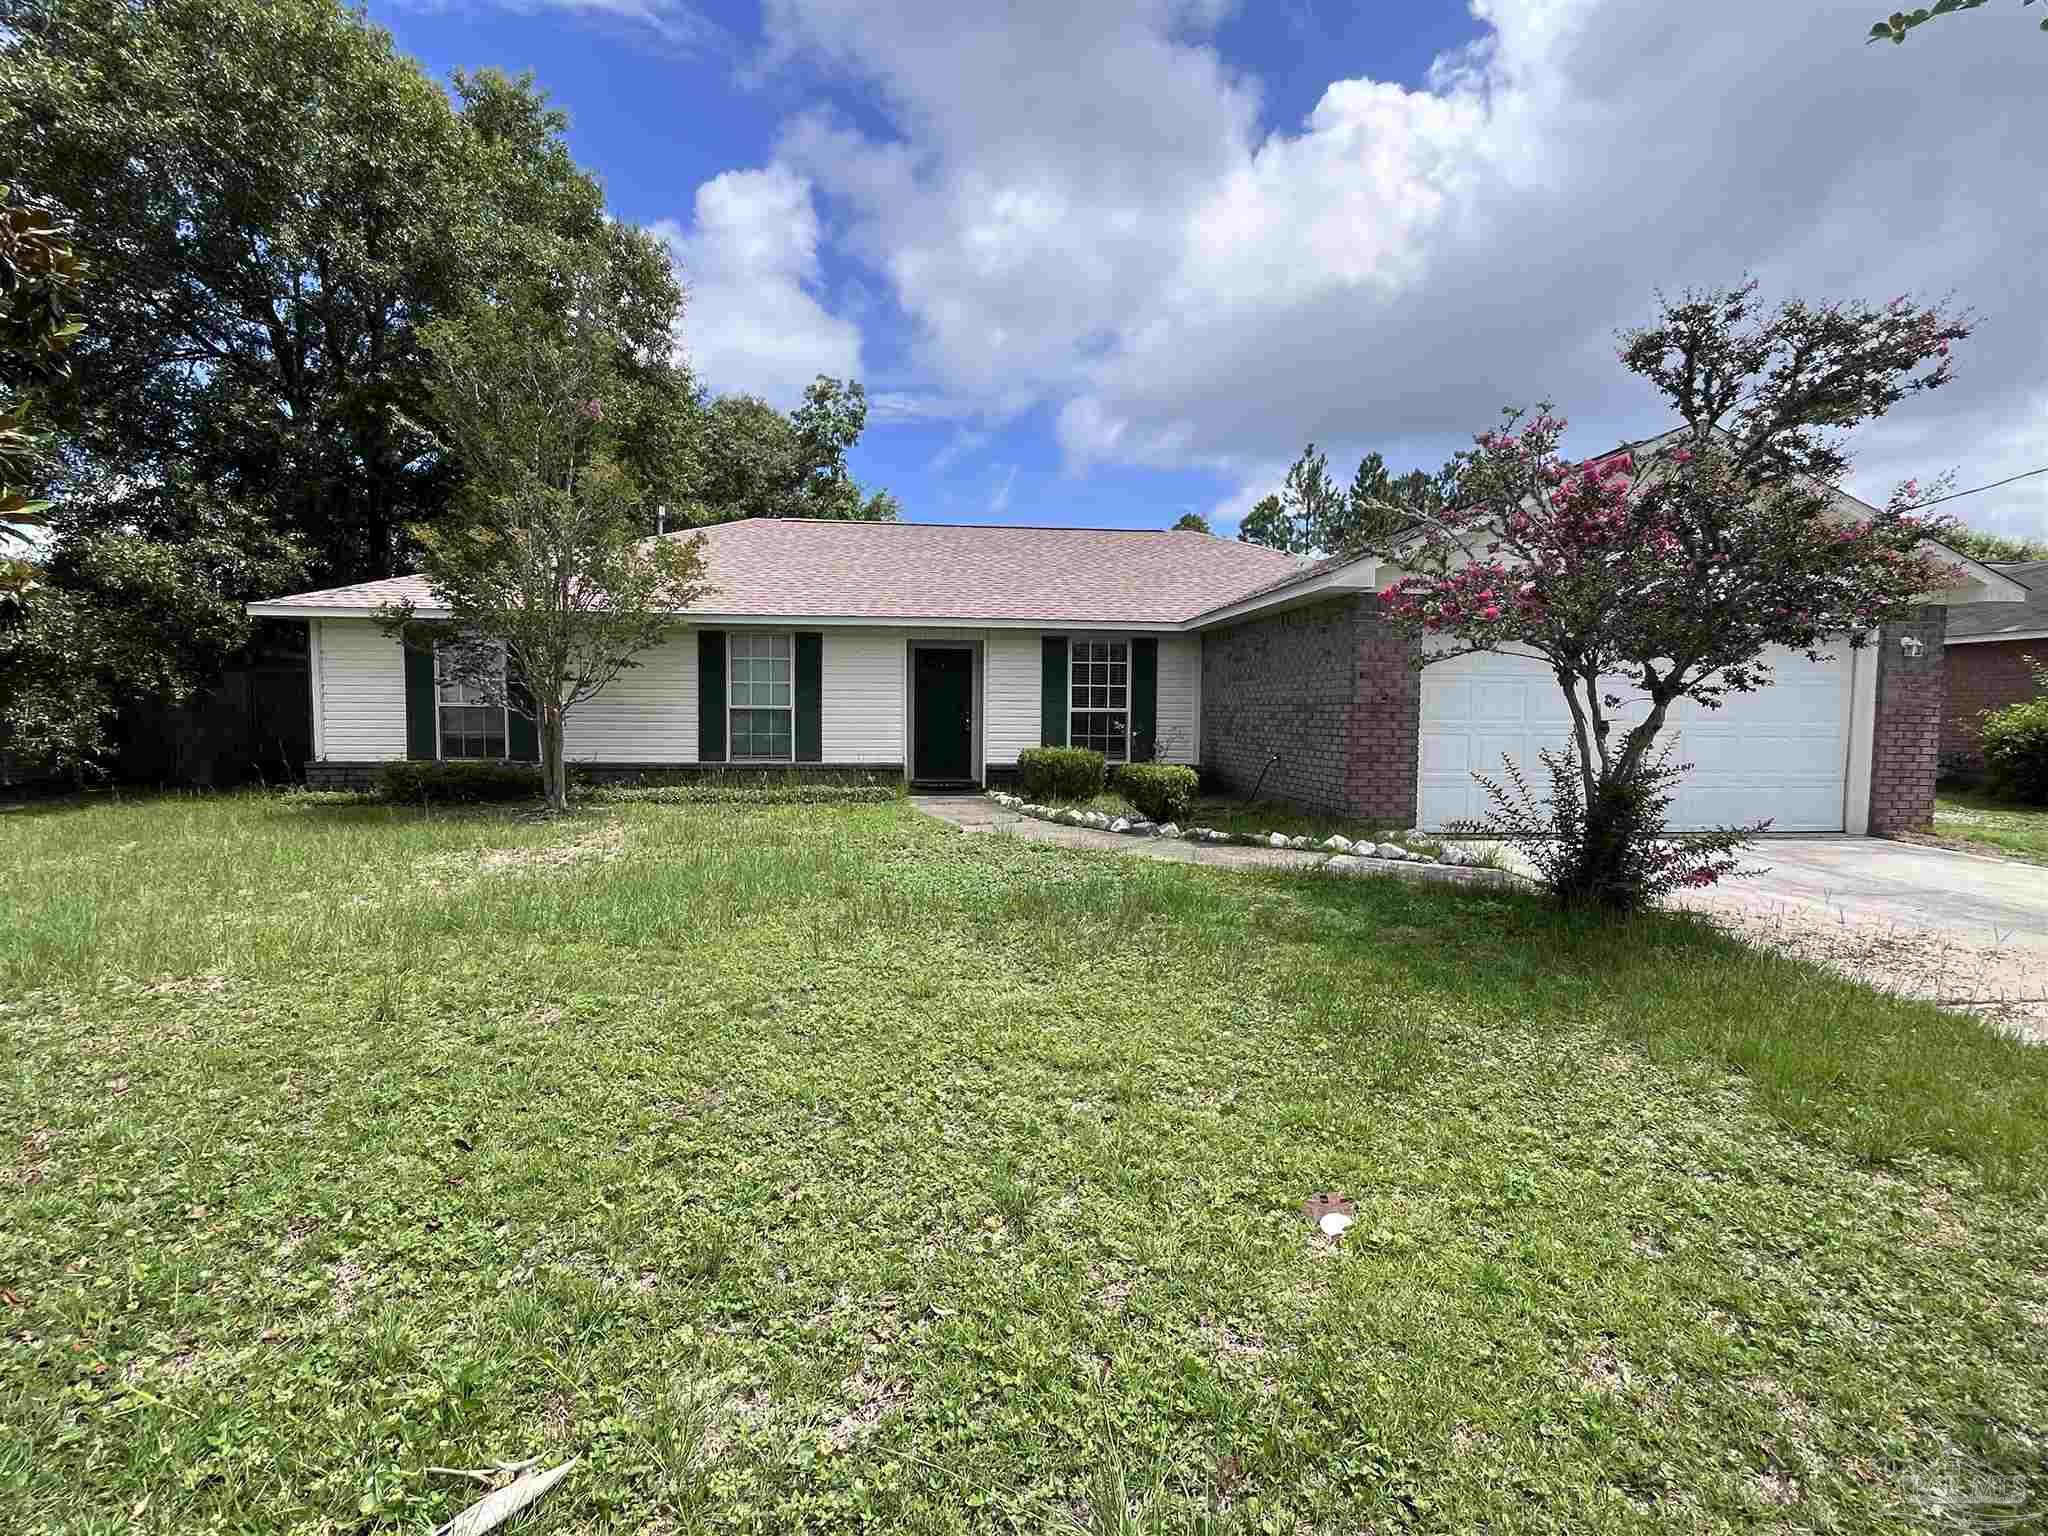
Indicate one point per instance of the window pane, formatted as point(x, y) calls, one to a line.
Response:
point(761, 733)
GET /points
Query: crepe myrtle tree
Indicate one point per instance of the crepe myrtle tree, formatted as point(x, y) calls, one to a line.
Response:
point(550, 586)
point(1644, 579)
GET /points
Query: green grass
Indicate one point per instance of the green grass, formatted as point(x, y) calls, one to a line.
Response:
point(1992, 825)
point(823, 1168)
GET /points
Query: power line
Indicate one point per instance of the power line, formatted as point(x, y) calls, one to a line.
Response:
point(1973, 490)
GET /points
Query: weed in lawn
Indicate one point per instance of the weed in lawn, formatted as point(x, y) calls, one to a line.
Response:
point(1011, 1194)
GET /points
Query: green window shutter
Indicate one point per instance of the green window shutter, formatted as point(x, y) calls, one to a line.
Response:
point(1144, 700)
point(419, 701)
point(1052, 692)
point(522, 735)
point(810, 695)
point(711, 696)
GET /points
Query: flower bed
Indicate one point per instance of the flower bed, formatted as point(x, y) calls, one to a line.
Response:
point(1346, 856)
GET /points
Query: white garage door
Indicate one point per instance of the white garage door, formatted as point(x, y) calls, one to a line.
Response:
point(1782, 752)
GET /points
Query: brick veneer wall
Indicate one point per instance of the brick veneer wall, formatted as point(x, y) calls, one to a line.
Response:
point(1906, 744)
point(1329, 690)
point(1984, 676)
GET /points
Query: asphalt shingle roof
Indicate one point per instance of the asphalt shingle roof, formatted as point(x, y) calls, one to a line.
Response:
point(1987, 621)
point(790, 568)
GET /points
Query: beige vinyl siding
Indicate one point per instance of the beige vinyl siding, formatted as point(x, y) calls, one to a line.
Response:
point(862, 705)
point(648, 714)
point(1180, 698)
point(362, 692)
point(1010, 684)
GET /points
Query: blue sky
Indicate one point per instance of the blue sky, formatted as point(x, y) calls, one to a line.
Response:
point(1105, 261)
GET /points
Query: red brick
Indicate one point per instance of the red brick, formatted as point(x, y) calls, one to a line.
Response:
point(1906, 747)
point(1987, 675)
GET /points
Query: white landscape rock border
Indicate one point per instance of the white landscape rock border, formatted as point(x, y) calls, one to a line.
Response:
point(1346, 857)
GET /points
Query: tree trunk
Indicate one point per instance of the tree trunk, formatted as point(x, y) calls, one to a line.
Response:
point(553, 777)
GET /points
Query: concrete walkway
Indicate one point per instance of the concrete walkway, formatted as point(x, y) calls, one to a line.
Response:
point(978, 813)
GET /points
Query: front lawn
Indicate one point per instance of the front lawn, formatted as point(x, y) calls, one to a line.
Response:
point(1973, 818)
point(824, 1168)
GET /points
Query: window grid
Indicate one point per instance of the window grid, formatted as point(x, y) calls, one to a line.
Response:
point(1099, 697)
point(471, 721)
point(760, 697)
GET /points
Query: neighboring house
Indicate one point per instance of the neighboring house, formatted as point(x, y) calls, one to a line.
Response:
point(940, 653)
point(1988, 644)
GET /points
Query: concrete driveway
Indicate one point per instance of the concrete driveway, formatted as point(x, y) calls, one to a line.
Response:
point(1867, 879)
point(1966, 930)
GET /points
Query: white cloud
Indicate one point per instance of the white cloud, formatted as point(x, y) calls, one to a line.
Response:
point(999, 503)
point(680, 27)
point(754, 323)
point(1077, 204)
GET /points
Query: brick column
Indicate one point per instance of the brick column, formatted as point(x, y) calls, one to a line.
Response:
point(1382, 736)
point(1906, 744)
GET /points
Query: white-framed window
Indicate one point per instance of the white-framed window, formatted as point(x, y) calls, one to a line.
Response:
point(469, 718)
point(1099, 697)
point(760, 697)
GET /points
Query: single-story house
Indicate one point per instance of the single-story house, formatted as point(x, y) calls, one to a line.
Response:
point(1988, 644)
point(940, 653)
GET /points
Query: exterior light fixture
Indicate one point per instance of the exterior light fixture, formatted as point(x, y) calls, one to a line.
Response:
point(1912, 645)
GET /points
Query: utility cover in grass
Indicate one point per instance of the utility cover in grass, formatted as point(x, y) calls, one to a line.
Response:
point(1331, 1212)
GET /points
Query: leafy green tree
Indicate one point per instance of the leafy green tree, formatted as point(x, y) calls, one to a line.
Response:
point(552, 588)
point(753, 461)
point(1979, 545)
point(279, 205)
point(120, 614)
point(1191, 522)
point(1381, 504)
point(278, 201)
point(39, 278)
point(1312, 515)
point(1305, 515)
point(1893, 28)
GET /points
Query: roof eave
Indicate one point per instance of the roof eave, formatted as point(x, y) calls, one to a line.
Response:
point(2039, 633)
point(1989, 585)
point(1360, 575)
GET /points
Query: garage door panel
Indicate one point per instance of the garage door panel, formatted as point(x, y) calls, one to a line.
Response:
point(1781, 752)
point(1453, 701)
point(1446, 753)
point(1487, 751)
point(1497, 702)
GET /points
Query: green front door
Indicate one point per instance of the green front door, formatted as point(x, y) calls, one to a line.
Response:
point(942, 715)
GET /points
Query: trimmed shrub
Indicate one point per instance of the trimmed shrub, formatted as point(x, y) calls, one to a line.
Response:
point(739, 794)
point(461, 783)
point(2015, 742)
point(1060, 773)
point(1162, 791)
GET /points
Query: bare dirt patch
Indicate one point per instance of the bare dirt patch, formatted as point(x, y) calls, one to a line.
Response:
point(1601, 1368)
point(1231, 1342)
point(875, 1398)
point(447, 872)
